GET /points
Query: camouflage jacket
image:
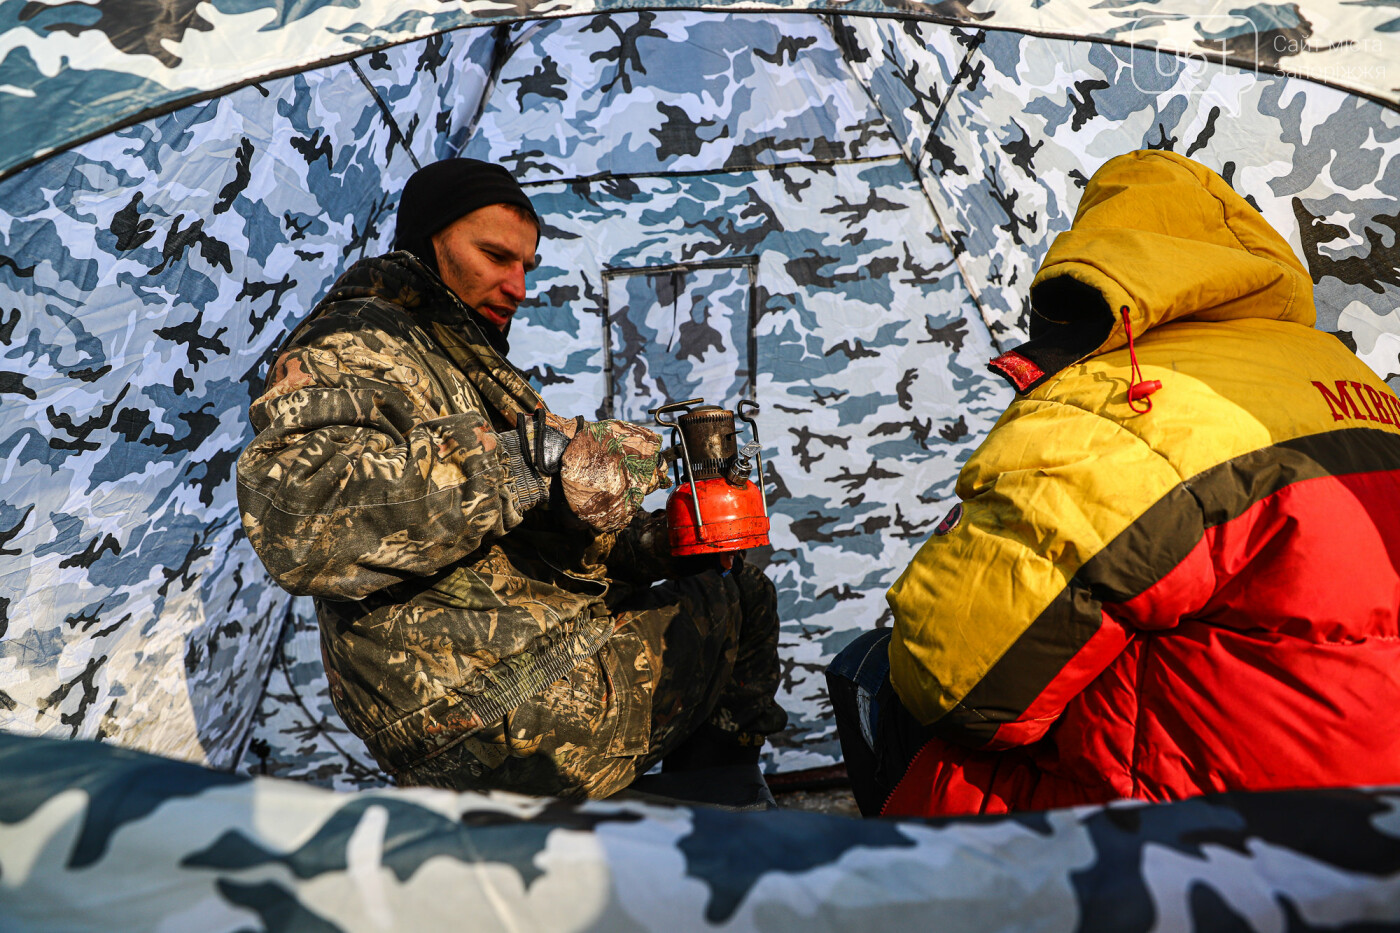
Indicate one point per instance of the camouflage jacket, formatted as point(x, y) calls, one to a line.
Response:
point(375, 485)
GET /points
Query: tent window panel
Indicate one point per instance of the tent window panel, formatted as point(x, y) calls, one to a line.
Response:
point(678, 332)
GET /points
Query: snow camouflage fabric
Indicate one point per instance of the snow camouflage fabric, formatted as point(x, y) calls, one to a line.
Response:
point(141, 313)
point(1023, 122)
point(814, 219)
point(94, 837)
point(70, 69)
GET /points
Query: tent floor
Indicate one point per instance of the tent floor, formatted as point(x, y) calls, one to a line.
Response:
point(836, 801)
point(819, 790)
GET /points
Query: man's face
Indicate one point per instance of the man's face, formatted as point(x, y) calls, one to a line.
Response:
point(483, 257)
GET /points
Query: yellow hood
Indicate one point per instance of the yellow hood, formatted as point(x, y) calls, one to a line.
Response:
point(1169, 239)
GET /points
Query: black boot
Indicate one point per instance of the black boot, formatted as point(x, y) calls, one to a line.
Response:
point(709, 768)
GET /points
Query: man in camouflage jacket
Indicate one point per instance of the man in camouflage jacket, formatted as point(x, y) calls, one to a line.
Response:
point(487, 620)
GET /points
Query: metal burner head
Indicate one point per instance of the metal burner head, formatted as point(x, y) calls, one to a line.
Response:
point(709, 439)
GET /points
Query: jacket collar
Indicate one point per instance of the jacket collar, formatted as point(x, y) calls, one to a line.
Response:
point(401, 279)
point(1165, 239)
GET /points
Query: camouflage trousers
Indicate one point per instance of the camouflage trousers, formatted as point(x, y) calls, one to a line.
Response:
point(700, 650)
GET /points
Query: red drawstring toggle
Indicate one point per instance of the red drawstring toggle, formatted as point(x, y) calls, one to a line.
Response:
point(1138, 388)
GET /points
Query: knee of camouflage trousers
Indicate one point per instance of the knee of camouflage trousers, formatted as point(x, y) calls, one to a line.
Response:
point(688, 653)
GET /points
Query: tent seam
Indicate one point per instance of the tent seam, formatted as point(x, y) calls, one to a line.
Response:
point(386, 113)
point(262, 693)
point(171, 106)
point(918, 175)
point(502, 51)
point(720, 170)
point(963, 71)
point(279, 662)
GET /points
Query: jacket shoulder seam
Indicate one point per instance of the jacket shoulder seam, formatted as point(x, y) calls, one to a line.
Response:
point(1113, 421)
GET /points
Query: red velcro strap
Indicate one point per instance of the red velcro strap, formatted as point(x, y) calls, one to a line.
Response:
point(1020, 370)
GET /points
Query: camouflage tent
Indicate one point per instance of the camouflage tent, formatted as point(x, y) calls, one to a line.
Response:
point(99, 838)
point(833, 207)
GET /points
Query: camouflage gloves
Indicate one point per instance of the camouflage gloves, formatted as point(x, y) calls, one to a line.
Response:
point(534, 451)
point(607, 469)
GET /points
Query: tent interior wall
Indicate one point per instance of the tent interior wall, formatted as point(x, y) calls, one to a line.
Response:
point(839, 215)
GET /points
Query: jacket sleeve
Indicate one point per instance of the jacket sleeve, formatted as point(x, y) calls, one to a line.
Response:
point(357, 477)
point(1002, 618)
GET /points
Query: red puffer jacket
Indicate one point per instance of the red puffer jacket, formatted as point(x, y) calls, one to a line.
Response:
point(1200, 597)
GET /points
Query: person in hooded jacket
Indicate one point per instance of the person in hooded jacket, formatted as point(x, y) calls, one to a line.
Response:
point(1174, 565)
point(483, 578)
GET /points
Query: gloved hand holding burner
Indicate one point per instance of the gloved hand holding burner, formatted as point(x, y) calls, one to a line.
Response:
point(608, 469)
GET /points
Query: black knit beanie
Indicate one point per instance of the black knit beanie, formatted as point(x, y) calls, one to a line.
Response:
point(439, 193)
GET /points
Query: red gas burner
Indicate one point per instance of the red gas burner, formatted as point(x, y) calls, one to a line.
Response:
point(715, 507)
